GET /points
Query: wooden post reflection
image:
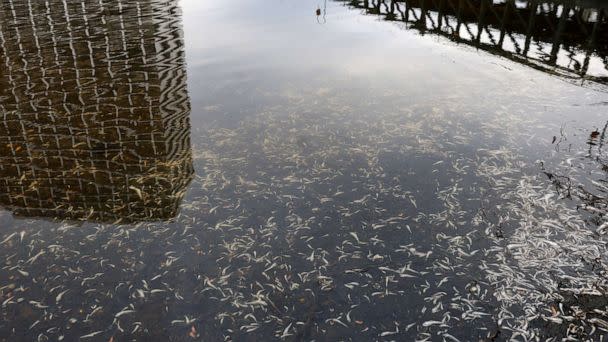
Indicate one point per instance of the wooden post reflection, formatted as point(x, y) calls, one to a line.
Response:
point(539, 30)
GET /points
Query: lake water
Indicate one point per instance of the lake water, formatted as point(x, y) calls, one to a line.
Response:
point(247, 170)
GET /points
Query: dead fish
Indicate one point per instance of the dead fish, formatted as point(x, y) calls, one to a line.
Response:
point(603, 229)
point(92, 334)
point(60, 296)
point(124, 312)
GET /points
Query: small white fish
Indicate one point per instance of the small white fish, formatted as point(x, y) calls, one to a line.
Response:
point(431, 323)
point(8, 238)
point(603, 229)
point(60, 296)
point(448, 336)
point(35, 257)
point(137, 191)
point(92, 334)
point(286, 331)
point(353, 234)
point(124, 312)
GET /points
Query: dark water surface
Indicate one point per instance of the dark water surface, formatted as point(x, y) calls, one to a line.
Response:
point(430, 170)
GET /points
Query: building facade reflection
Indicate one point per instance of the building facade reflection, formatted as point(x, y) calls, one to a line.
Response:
point(94, 109)
point(568, 38)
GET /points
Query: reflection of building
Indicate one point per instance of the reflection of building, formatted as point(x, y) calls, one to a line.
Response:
point(568, 37)
point(94, 109)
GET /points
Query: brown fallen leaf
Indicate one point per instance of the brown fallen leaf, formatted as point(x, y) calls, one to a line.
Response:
point(554, 311)
point(193, 333)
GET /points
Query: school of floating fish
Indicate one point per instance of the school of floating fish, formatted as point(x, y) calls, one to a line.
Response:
point(310, 225)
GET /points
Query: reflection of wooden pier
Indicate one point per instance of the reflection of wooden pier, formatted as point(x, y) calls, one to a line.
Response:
point(568, 38)
point(93, 109)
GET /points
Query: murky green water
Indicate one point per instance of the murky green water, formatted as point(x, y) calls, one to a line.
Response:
point(312, 170)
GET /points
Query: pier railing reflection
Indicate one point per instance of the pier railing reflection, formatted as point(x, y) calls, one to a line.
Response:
point(94, 109)
point(567, 38)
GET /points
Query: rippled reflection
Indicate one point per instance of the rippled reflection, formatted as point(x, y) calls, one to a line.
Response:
point(95, 109)
point(566, 38)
